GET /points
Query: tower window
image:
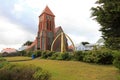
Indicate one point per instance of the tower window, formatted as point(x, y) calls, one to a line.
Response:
point(50, 26)
point(49, 22)
point(47, 25)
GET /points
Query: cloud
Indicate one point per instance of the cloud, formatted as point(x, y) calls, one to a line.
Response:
point(18, 8)
point(18, 13)
point(12, 35)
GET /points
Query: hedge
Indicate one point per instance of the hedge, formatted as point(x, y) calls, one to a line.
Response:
point(101, 56)
point(23, 72)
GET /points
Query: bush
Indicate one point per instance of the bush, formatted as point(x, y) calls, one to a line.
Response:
point(37, 53)
point(89, 57)
point(3, 62)
point(116, 61)
point(47, 54)
point(54, 56)
point(63, 56)
point(23, 53)
point(98, 56)
point(41, 75)
point(2, 59)
point(78, 56)
point(10, 54)
point(44, 55)
point(29, 53)
point(105, 57)
point(23, 72)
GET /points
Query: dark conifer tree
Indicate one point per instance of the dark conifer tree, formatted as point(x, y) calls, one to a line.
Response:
point(107, 14)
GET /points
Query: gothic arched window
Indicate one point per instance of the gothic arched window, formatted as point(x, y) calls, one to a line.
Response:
point(47, 24)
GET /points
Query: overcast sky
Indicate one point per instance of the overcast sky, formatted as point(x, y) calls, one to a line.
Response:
point(19, 20)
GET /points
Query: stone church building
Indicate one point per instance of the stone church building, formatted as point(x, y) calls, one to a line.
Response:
point(47, 32)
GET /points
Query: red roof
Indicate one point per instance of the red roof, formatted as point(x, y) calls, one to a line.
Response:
point(71, 47)
point(47, 11)
point(57, 29)
point(8, 50)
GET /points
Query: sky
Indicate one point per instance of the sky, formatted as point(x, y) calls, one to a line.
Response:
point(19, 20)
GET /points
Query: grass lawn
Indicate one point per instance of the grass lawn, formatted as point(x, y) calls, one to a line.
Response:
point(72, 70)
point(17, 58)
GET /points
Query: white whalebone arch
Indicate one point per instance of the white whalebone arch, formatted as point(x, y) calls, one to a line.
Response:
point(62, 34)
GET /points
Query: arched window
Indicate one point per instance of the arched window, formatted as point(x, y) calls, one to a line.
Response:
point(47, 24)
point(50, 26)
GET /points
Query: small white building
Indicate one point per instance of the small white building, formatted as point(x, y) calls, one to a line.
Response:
point(100, 42)
point(89, 46)
point(81, 47)
point(22, 48)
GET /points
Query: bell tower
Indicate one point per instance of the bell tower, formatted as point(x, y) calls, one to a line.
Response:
point(46, 28)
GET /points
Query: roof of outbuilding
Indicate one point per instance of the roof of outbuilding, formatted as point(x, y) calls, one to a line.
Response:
point(9, 50)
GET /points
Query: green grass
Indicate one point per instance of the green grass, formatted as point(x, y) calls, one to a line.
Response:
point(72, 70)
point(17, 59)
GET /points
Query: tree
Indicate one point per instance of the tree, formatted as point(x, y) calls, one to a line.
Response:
point(84, 43)
point(27, 43)
point(107, 14)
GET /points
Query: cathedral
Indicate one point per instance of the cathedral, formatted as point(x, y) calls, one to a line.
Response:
point(47, 32)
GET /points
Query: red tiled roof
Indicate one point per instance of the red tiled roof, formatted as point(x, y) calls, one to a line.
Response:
point(70, 47)
point(57, 28)
point(47, 11)
point(8, 50)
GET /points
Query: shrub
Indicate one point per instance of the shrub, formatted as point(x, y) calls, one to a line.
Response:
point(50, 54)
point(3, 62)
point(41, 75)
point(23, 72)
point(44, 54)
point(29, 53)
point(5, 54)
point(55, 55)
point(47, 54)
point(71, 56)
point(23, 53)
point(98, 56)
point(116, 61)
point(89, 57)
point(37, 53)
point(2, 59)
point(78, 56)
point(63, 56)
point(105, 57)
point(26, 53)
